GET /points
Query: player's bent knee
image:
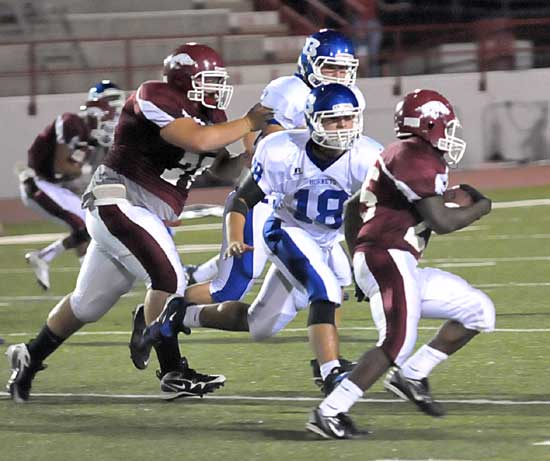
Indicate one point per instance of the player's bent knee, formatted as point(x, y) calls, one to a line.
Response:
point(262, 329)
point(489, 315)
point(483, 316)
point(321, 312)
point(89, 310)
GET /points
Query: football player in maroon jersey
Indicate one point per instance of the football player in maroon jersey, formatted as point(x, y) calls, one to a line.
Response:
point(388, 226)
point(55, 158)
point(172, 126)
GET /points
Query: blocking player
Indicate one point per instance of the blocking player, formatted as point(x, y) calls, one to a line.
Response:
point(180, 125)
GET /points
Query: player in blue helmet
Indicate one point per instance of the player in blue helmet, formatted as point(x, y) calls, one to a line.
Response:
point(312, 172)
point(328, 49)
point(109, 92)
point(326, 104)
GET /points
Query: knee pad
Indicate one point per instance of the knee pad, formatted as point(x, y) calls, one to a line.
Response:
point(321, 312)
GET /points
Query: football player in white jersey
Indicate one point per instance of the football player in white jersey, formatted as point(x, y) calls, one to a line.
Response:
point(311, 173)
point(327, 57)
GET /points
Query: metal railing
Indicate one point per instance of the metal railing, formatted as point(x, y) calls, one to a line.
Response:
point(495, 47)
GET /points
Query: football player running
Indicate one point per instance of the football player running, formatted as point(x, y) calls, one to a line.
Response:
point(327, 57)
point(163, 126)
point(311, 173)
point(55, 159)
point(388, 224)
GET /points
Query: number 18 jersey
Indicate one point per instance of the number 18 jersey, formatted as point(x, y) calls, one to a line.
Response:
point(311, 193)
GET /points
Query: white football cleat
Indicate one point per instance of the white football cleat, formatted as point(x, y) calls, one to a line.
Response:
point(41, 269)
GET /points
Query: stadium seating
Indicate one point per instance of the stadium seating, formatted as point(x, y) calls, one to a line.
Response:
point(240, 34)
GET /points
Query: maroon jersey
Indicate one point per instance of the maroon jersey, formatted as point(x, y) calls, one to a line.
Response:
point(67, 129)
point(406, 172)
point(139, 152)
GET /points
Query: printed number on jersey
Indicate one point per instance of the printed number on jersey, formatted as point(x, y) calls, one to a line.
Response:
point(326, 208)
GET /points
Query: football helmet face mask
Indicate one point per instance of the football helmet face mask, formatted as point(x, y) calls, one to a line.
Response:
point(429, 115)
point(327, 48)
point(109, 92)
point(328, 102)
point(198, 71)
point(100, 117)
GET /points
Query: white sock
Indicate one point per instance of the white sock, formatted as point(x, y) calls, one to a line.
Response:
point(52, 250)
point(191, 318)
point(327, 367)
point(341, 399)
point(422, 362)
point(207, 271)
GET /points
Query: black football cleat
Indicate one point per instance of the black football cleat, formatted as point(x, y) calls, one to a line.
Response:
point(336, 376)
point(190, 270)
point(345, 365)
point(340, 426)
point(140, 350)
point(171, 318)
point(186, 382)
point(415, 390)
point(23, 371)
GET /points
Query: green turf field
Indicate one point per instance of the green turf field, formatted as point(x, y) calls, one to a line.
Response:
point(91, 404)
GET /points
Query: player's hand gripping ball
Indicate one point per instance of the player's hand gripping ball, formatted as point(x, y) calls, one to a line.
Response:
point(455, 197)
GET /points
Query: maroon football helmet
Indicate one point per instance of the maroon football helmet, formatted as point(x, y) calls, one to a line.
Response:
point(100, 117)
point(429, 115)
point(198, 71)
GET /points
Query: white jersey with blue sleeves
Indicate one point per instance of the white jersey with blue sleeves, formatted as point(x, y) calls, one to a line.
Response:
point(312, 195)
point(287, 97)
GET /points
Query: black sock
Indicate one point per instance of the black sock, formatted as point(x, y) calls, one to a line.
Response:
point(168, 353)
point(43, 345)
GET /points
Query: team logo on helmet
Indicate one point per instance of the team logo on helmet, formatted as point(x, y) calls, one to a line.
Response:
point(434, 109)
point(178, 60)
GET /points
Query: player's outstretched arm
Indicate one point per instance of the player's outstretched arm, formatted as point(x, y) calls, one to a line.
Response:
point(189, 135)
point(444, 220)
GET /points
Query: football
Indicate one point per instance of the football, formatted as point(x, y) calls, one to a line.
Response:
point(455, 197)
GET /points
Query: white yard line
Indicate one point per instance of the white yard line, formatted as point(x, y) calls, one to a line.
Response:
point(44, 238)
point(522, 203)
point(281, 399)
point(472, 264)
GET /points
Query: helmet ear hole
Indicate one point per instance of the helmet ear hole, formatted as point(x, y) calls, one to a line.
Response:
point(430, 125)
